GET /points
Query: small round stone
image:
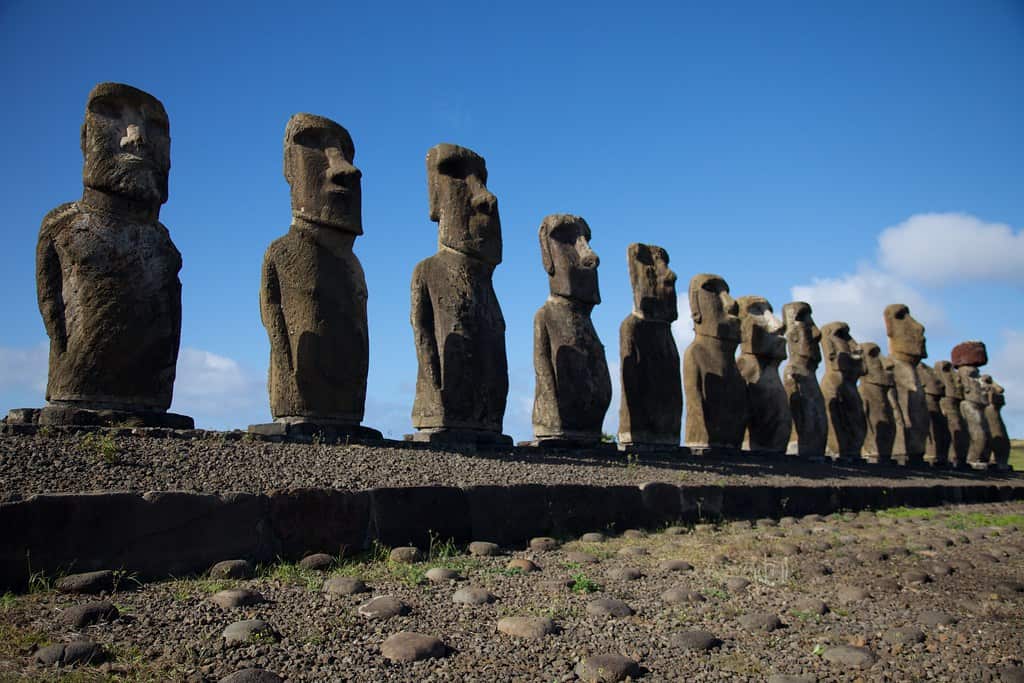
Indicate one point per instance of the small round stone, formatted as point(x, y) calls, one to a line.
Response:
point(624, 574)
point(543, 544)
point(887, 584)
point(523, 565)
point(442, 574)
point(593, 537)
point(872, 557)
point(472, 595)
point(760, 621)
point(907, 635)
point(231, 569)
point(581, 558)
point(936, 618)
point(940, 569)
point(789, 521)
point(71, 653)
point(407, 646)
point(849, 656)
point(532, 628)
point(766, 523)
point(383, 607)
point(675, 531)
point(87, 582)
point(243, 632)
point(915, 577)
point(698, 641)
point(632, 551)
point(848, 594)
point(319, 562)
point(810, 606)
point(236, 597)
point(720, 559)
point(609, 607)
point(484, 549)
point(736, 584)
point(792, 678)
point(344, 585)
point(675, 566)
point(80, 616)
point(785, 550)
point(634, 533)
point(679, 594)
point(609, 668)
point(252, 676)
point(405, 554)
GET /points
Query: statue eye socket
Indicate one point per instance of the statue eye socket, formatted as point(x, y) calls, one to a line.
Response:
point(311, 137)
point(565, 234)
point(453, 168)
point(104, 106)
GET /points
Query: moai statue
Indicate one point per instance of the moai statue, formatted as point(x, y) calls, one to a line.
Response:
point(967, 358)
point(313, 292)
point(949, 404)
point(107, 275)
point(939, 439)
point(844, 366)
point(716, 395)
point(651, 406)
point(907, 349)
point(573, 387)
point(995, 397)
point(806, 402)
point(762, 349)
point(462, 382)
point(877, 393)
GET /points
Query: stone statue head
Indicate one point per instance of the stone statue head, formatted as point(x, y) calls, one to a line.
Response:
point(318, 164)
point(997, 394)
point(570, 263)
point(986, 387)
point(460, 203)
point(803, 337)
point(126, 142)
point(952, 386)
point(842, 352)
point(761, 332)
point(969, 375)
point(930, 381)
point(879, 368)
point(906, 335)
point(714, 312)
point(654, 283)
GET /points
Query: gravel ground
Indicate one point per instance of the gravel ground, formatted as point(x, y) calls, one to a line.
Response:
point(970, 558)
point(97, 461)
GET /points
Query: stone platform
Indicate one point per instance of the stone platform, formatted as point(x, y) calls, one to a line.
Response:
point(61, 415)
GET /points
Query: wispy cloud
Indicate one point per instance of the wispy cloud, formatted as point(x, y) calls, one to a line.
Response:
point(218, 392)
point(23, 370)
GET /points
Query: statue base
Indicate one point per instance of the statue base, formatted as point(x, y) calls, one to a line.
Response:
point(73, 416)
point(714, 451)
point(568, 444)
point(648, 447)
point(307, 431)
point(874, 459)
point(981, 466)
point(459, 437)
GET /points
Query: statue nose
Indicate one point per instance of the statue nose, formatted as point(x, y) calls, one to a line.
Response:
point(590, 259)
point(486, 203)
point(132, 136)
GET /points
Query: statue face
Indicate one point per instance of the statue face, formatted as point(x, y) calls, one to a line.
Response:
point(879, 369)
point(654, 283)
point(803, 337)
point(714, 312)
point(762, 333)
point(126, 143)
point(325, 185)
point(466, 211)
point(842, 353)
point(568, 259)
point(906, 335)
point(952, 386)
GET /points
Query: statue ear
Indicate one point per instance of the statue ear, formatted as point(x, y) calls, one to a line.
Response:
point(695, 306)
point(545, 251)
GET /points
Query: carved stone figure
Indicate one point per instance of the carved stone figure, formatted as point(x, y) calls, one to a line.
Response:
point(651, 406)
point(458, 328)
point(972, 408)
point(716, 395)
point(995, 400)
point(877, 393)
point(573, 387)
point(313, 292)
point(907, 349)
point(806, 402)
point(844, 366)
point(939, 439)
point(762, 349)
point(107, 274)
point(953, 395)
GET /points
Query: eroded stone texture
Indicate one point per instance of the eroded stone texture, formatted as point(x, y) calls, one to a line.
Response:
point(953, 395)
point(762, 349)
point(573, 387)
point(843, 406)
point(107, 272)
point(651, 406)
point(969, 353)
point(877, 391)
point(716, 395)
point(907, 349)
point(995, 397)
point(972, 408)
point(939, 439)
point(806, 402)
point(458, 328)
point(313, 292)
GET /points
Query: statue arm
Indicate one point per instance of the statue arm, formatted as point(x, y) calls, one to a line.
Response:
point(542, 364)
point(423, 329)
point(272, 313)
point(49, 288)
point(693, 389)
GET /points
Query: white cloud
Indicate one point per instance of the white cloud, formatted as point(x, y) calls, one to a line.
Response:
point(860, 298)
point(1007, 368)
point(943, 248)
point(23, 370)
point(218, 392)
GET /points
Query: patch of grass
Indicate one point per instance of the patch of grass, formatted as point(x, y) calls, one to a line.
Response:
point(291, 573)
point(1017, 454)
point(840, 612)
point(7, 601)
point(971, 520)
point(716, 593)
point(410, 574)
point(806, 616)
point(582, 584)
point(101, 447)
point(440, 550)
point(16, 641)
point(905, 512)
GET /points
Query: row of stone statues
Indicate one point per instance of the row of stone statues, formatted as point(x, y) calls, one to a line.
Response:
point(110, 297)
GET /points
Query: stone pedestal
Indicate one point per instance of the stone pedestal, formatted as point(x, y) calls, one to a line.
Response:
point(90, 417)
point(327, 432)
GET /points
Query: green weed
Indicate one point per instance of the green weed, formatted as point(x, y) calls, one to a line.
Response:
point(583, 585)
point(102, 447)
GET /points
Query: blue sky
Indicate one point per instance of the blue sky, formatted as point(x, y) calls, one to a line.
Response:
point(796, 148)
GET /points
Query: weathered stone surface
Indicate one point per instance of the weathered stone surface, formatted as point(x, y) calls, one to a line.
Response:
point(80, 616)
point(607, 668)
point(762, 349)
point(624, 574)
point(949, 404)
point(407, 646)
point(236, 597)
point(252, 676)
point(458, 328)
point(341, 520)
point(231, 569)
point(608, 607)
point(344, 585)
point(675, 566)
point(472, 595)
point(383, 607)
point(760, 621)
point(484, 549)
point(651, 405)
point(716, 395)
point(939, 438)
point(313, 291)
point(522, 564)
point(543, 544)
point(806, 402)
point(72, 653)
point(681, 594)
point(907, 635)
point(87, 582)
point(971, 353)
point(877, 392)
point(972, 409)
point(441, 575)
point(843, 405)
point(849, 656)
point(107, 271)
point(248, 630)
point(593, 537)
point(573, 386)
point(698, 641)
point(319, 562)
point(995, 399)
point(906, 349)
point(405, 554)
point(532, 628)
